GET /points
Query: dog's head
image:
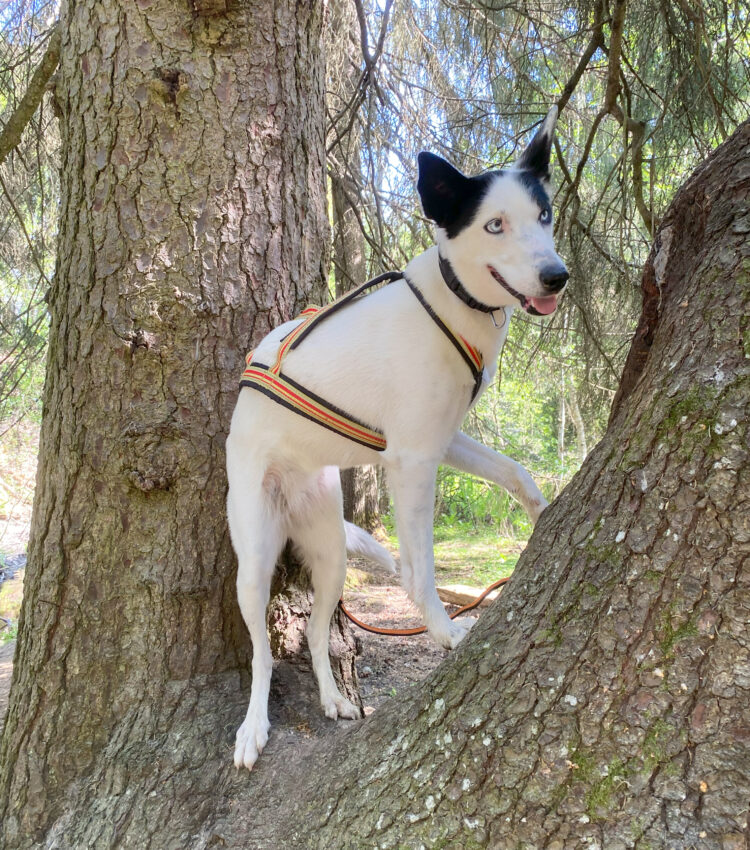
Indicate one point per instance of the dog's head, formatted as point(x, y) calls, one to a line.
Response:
point(496, 228)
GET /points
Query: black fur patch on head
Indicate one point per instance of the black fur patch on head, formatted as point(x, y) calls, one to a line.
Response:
point(450, 198)
point(535, 187)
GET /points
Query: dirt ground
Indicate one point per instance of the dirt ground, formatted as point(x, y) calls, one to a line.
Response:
point(386, 665)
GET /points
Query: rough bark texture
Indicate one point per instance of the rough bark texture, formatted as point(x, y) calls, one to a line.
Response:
point(604, 700)
point(192, 221)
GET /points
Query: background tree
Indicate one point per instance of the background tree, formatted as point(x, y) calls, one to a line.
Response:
point(347, 39)
point(29, 189)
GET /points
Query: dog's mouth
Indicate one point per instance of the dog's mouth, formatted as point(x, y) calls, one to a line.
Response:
point(541, 306)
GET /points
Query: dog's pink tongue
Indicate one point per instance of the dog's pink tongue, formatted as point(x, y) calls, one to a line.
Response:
point(545, 305)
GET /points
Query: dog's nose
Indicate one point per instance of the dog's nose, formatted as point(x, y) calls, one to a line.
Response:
point(554, 277)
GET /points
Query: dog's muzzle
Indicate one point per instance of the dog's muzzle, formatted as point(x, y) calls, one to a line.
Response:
point(543, 305)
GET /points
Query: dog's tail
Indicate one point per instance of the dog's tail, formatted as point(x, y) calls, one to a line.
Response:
point(360, 544)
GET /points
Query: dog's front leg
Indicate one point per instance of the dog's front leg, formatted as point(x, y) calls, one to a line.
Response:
point(412, 484)
point(470, 456)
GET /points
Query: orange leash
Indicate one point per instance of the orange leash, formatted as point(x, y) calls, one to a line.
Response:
point(376, 630)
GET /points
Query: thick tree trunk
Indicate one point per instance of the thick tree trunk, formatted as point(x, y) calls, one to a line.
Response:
point(193, 220)
point(604, 699)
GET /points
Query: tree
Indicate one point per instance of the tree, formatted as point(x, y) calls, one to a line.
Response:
point(603, 700)
point(192, 221)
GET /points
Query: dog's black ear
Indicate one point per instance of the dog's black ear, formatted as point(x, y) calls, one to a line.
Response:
point(536, 156)
point(441, 187)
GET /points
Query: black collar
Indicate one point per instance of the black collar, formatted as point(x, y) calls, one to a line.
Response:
point(455, 286)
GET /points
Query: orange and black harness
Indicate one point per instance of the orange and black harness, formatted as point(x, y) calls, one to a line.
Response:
point(274, 384)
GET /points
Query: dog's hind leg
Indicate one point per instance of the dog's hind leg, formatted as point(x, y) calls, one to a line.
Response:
point(256, 526)
point(318, 533)
point(470, 456)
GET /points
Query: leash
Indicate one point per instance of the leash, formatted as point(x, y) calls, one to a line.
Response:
point(377, 630)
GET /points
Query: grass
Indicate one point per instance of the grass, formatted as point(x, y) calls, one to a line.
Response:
point(465, 554)
point(8, 632)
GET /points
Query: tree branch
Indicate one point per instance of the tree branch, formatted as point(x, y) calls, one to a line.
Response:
point(25, 110)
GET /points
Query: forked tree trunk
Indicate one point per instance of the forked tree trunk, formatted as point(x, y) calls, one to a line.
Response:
point(193, 220)
point(604, 699)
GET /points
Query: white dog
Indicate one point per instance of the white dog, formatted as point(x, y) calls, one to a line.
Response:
point(386, 378)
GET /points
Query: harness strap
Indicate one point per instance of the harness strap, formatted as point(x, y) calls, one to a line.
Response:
point(288, 393)
point(327, 311)
point(282, 389)
point(472, 357)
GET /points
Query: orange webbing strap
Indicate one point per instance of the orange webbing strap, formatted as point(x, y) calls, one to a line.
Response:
point(308, 315)
point(287, 392)
point(301, 332)
point(376, 630)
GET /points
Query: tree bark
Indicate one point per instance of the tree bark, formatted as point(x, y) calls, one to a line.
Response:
point(604, 699)
point(192, 221)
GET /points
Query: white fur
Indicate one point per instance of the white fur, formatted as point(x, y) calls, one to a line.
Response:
point(383, 360)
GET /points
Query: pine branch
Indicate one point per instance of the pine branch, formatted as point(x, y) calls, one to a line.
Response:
point(24, 112)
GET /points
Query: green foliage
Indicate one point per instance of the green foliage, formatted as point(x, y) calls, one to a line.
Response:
point(468, 554)
point(29, 191)
point(8, 632)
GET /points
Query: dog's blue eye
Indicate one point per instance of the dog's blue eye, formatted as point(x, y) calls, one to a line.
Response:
point(494, 226)
point(545, 216)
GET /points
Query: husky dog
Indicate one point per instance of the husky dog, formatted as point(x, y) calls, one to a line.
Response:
point(392, 362)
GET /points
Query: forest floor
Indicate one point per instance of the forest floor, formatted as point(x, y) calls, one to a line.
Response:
point(386, 665)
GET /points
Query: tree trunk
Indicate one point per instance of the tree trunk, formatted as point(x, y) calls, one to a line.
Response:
point(604, 699)
point(359, 484)
point(571, 400)
point(192, 221)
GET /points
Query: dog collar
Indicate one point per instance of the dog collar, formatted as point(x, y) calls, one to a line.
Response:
point(458, 289)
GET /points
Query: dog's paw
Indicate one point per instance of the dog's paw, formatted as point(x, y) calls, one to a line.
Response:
point(252, 736)
point(336, 706)
point(536, 507)
point(452, 633)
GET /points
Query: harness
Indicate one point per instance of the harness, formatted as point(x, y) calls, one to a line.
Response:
point(282, 389)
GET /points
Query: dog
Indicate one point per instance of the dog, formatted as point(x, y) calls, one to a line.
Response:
point(404, 362)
